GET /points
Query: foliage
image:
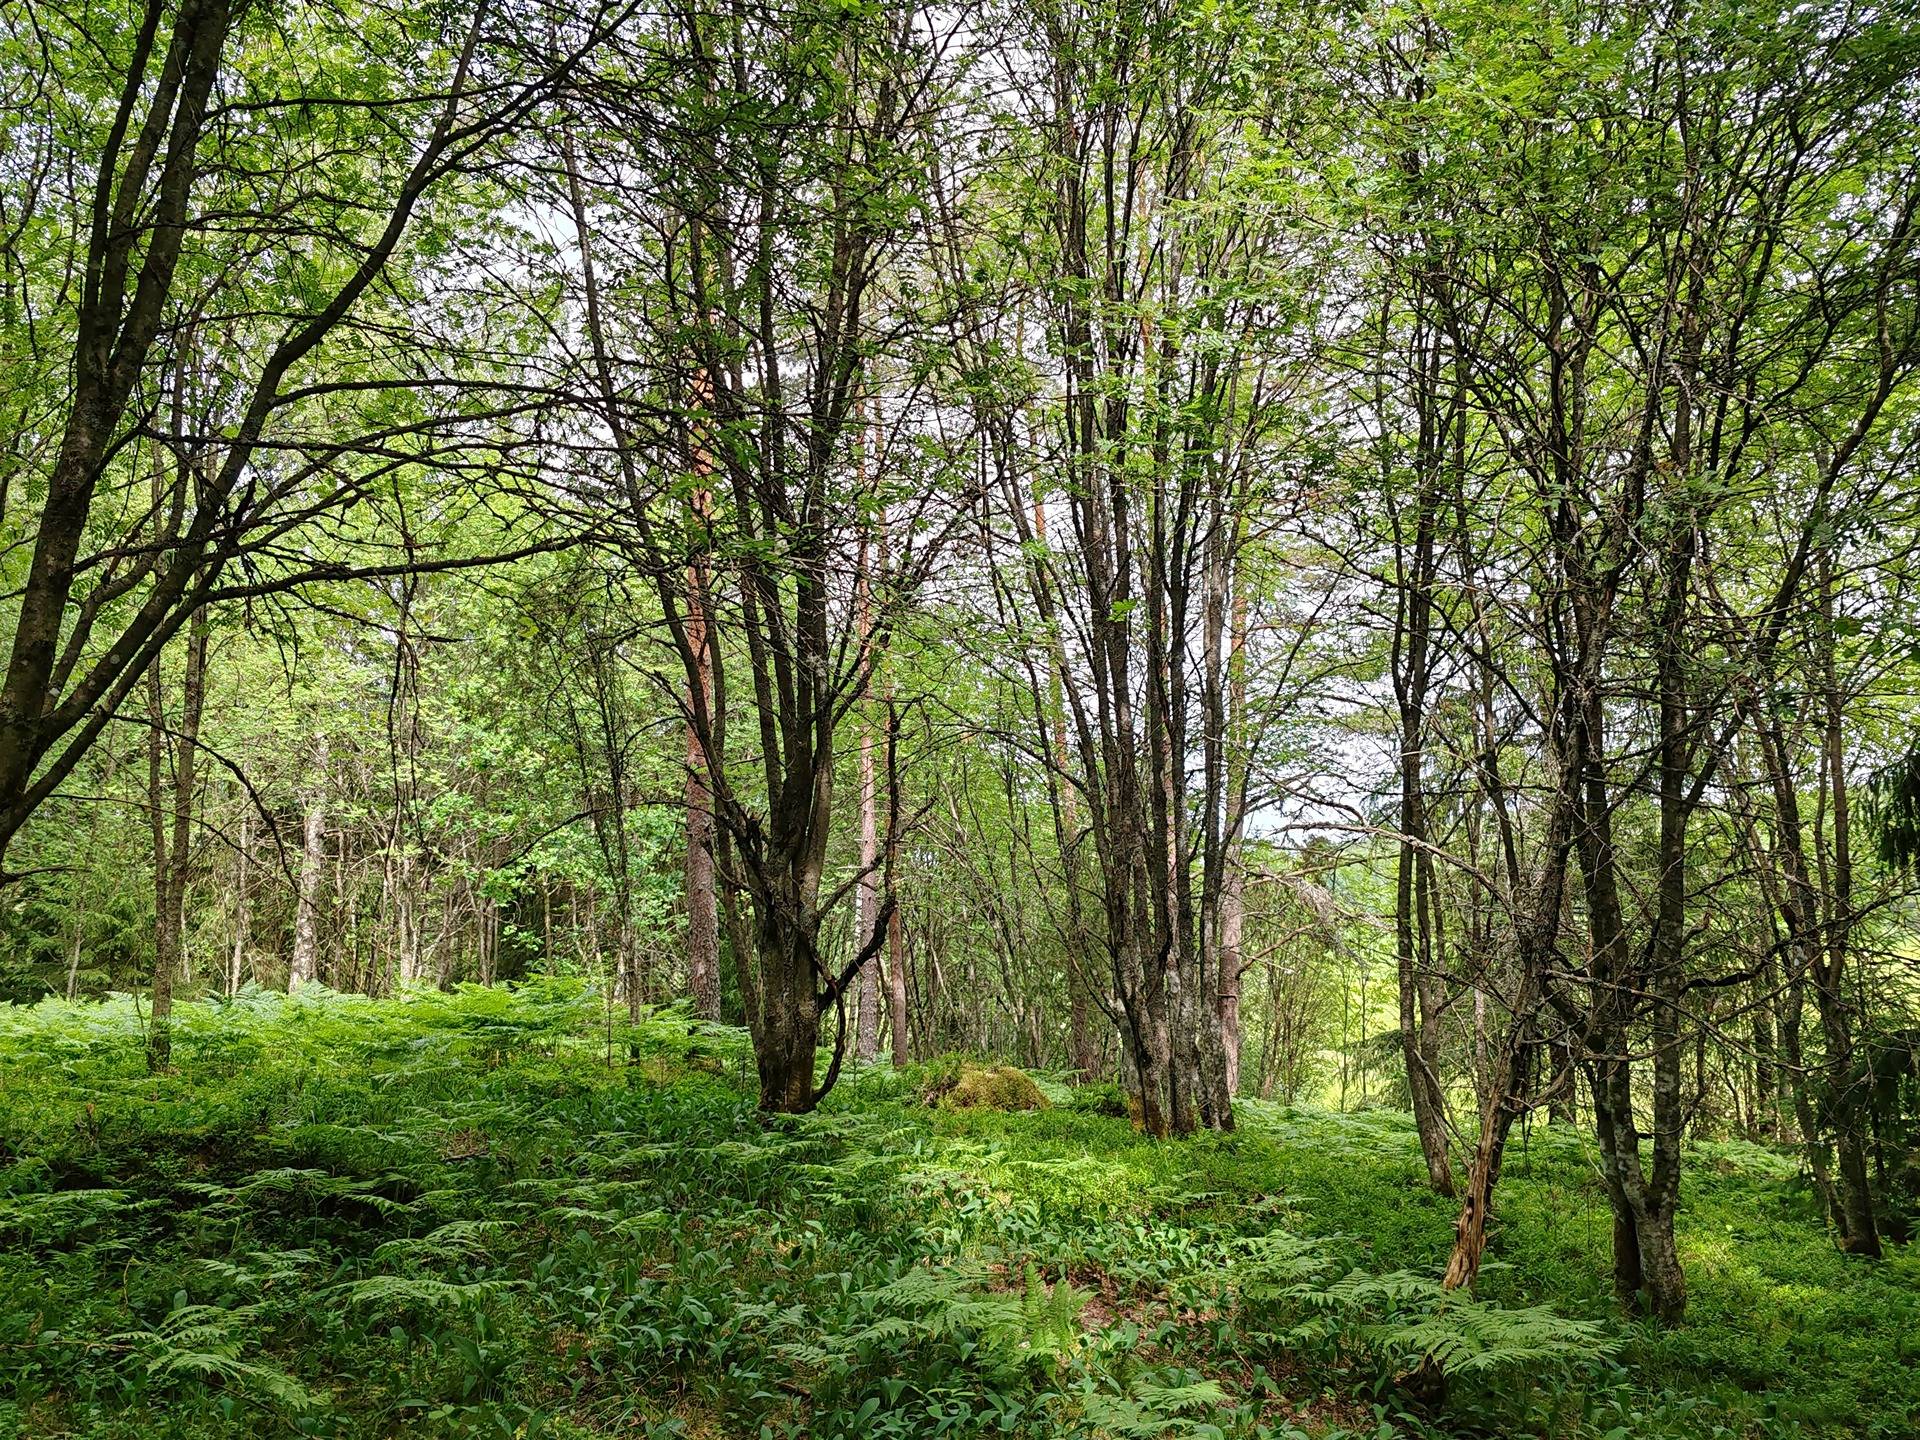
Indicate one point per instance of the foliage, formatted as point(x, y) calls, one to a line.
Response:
point(482, 1213)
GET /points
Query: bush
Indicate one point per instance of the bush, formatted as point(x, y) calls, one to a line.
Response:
point(1101, 1097)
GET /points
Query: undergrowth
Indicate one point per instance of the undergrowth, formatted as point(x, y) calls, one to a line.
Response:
point(496, 1213)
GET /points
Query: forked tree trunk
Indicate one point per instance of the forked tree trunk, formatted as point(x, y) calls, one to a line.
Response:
point(1646, 1260)
point(787, 1038)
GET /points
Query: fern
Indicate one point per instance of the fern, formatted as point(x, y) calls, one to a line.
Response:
point(49, 1218)
point(1151, 1411)
point(261, 1269)
point(396, 1292)
point(1008, 1329)
point(205, 1342)
point(1410, 1317)
point(1278, 1264)
point(456, 1240)
point(1360, 1292)
point(1463, 1336)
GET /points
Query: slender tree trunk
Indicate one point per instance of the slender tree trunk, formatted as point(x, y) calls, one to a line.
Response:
point(75, 950)
point(159, 1036)
point(306, 924)
point(897, 984)
point(1767, 1076)
point(703, 915)
point(1416, 962)
point(1813, 1140)
point(1847, 1082)
point(172, 855)
point(1839, 1121)
point(242, 902)
point(1063, 801)
point(867, 891)
point(1562, 1088)
point(1413, 954)
point(1233, 879)
point(1483, 1176)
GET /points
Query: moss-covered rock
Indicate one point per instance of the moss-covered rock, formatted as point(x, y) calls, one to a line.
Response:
point(998, 1087)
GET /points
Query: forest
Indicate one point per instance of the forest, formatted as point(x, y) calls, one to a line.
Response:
point(1125, 719)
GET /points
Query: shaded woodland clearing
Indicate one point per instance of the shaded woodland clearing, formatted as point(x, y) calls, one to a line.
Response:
point(1249, 554)
point(452, 1214)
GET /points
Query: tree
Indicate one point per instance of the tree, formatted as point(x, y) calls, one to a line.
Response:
point(176, 251)
point(777, 282)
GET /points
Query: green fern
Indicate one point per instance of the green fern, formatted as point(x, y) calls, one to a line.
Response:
point(205, 1342)
point(398, 1292)
point(456, 1240)
point(1151, 1411)
point(1463, 1336)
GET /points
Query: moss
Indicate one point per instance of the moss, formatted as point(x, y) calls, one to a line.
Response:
point(999, 1087)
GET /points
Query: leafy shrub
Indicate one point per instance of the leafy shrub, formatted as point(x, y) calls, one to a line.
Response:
point(1100, 1097)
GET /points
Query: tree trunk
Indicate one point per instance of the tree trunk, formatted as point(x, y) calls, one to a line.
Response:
point(242, 901)
point(302, 967)
point(897, 987)
point(1233, 879)
point(1416, 963)
point(1562, 1089)
point(703, 915)
point(1476, 1202)
point(1847, 1081)
point(172, 844)
point(1767, 1076)
point(1817, 926)
point(788, 1036)
point(867, 890)
point(1418, 1035)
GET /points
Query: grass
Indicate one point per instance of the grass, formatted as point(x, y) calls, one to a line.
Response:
point(493, 1214)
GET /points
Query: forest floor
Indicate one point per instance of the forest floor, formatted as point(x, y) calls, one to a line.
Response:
point(494, 1214)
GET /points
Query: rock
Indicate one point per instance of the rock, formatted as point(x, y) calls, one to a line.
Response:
point(1000, 1087)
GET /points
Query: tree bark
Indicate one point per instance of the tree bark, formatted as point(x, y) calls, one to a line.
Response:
point(867, 890)
point(242, 900)
point(897, 985)
point(303, 966)
point(172, 814)
point(703, 914)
